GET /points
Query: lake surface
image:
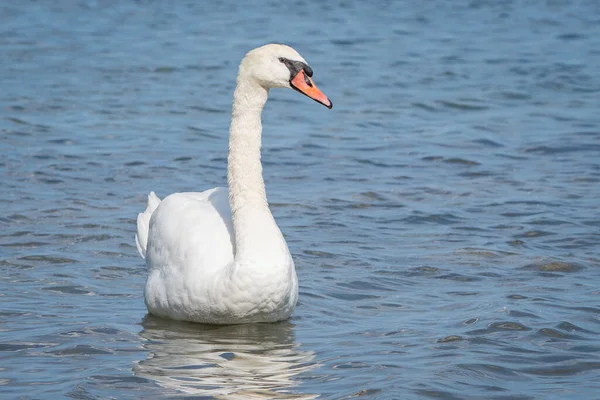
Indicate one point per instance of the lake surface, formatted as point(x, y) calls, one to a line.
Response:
point(444, 216)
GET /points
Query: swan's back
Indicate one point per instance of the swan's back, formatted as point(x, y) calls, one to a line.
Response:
point(189, 248)
point(174, 236)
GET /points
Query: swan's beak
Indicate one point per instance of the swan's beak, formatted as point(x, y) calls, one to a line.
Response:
point(302, 83)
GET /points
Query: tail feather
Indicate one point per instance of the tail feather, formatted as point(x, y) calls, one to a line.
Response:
point(143, 224)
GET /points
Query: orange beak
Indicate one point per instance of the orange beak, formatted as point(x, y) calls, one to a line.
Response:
point(302, 83)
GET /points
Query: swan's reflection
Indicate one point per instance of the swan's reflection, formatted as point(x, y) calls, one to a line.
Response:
point(253, 361)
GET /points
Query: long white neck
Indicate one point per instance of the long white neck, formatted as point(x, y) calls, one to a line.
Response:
point(256, 233)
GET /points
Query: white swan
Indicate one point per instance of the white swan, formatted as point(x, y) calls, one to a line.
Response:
point(218, 256)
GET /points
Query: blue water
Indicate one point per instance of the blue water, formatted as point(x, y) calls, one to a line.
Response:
point(444, 216)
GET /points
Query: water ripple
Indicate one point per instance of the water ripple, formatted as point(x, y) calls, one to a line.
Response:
point(443, 216)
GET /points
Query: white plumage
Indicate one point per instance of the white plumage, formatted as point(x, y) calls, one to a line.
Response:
point(211, 265)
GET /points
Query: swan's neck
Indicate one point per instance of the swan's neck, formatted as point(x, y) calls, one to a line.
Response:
point(256, 233)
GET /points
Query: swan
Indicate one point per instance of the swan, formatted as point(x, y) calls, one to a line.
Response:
point(218, 256)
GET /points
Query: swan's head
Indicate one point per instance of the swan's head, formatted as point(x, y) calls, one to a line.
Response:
point(280, 66)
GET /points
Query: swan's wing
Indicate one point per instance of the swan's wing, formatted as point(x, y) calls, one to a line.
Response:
point(191, 234)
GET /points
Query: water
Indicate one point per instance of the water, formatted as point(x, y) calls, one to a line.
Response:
point(444, 216)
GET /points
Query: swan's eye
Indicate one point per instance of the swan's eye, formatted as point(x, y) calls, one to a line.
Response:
point(308, 70)
point(281, 59)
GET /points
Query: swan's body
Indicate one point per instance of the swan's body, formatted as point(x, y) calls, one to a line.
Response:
point(218, 256)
